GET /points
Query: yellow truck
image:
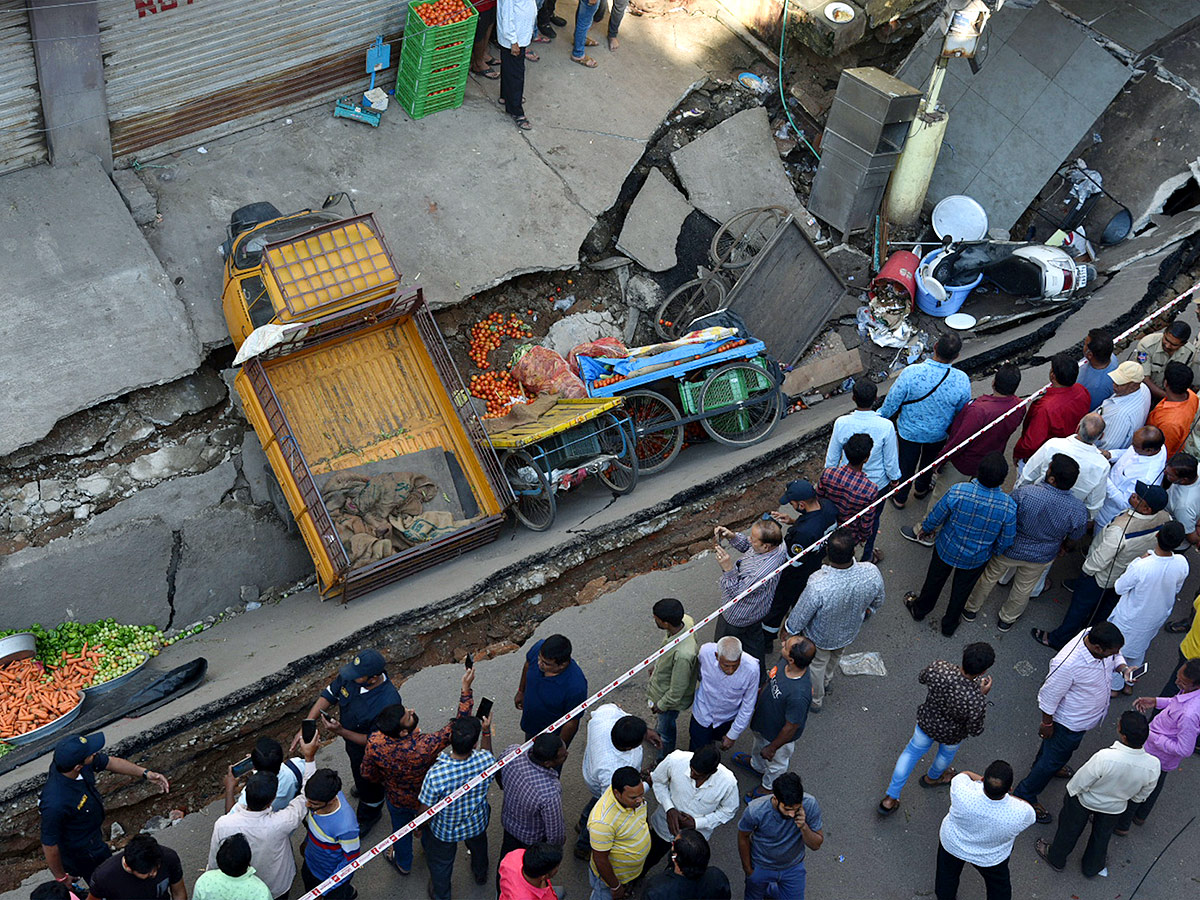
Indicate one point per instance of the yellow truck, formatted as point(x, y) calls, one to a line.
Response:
point(361, 412)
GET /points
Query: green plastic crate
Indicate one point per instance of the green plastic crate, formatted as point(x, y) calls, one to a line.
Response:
point(419, 101)
point(431, 41)
point(425, 56)
point(452, 73)
point(733, 387)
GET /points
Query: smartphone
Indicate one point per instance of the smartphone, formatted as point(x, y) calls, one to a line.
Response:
point(308, 730)
point(469, 662)
point(243, 767)
point(485, 708)
point(1140, 671)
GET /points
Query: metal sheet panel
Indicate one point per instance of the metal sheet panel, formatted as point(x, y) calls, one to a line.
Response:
point(175, 67)
point(22, 140)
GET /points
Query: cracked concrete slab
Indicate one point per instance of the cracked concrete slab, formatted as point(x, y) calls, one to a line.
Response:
point(174, 501)
point(87, 302)
point(652, 226)
point(465, 199)
point(719, 187)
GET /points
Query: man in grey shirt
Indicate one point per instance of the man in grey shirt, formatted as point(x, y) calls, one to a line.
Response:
point(837, 600)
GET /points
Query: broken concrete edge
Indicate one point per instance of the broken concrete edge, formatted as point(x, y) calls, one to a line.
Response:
point(1171, 268)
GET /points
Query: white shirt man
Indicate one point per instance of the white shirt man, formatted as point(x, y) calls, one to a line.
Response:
point(1093, 468)
point(983, 821)
point(600, 756)
point(1126, 410)
point(1132, 465)
point(705, 805)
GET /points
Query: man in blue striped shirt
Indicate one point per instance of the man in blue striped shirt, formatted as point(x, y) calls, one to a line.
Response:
point(974, 522)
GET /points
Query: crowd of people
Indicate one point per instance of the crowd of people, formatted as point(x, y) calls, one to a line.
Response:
point(1097, 454)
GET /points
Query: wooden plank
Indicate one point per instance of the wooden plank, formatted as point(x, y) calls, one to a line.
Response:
point(821, 372)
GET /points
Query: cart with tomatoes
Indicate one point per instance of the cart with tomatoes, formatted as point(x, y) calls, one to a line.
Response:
point(715, 380)
point(573, 439)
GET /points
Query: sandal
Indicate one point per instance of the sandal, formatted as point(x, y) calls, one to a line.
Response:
point(587, 62)
point(489, 73)
point(1042, 848)
point(1041, 815)
point(899, 504)
point(742, 760)
point(1042, 637)
point(591, 42)
point(522, 123)
point(910, 601)
point(884, 810)
point(759, 791)
point(492, 61)
point(1065, 772)
point(1179, 626)
point(540, 39)
point(530, 56)
point(944, 779)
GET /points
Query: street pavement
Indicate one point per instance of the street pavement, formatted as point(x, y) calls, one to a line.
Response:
point(845, 755)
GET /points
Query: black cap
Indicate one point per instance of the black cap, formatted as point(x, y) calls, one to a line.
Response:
point(72, 751)
point(1153, 495)
point(798, 491)
point(367, 662)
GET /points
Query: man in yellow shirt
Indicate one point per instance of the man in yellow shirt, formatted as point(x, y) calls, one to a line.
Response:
point(619, 836)
point(1188, 649)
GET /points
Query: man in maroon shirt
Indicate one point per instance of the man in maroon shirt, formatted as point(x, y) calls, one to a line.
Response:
point(963, 465)
point(1057, 412)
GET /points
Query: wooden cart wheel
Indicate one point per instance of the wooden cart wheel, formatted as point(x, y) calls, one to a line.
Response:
point(692, 299)
point(746, 421)
point(617, 438)
point(535, 505)
point(738, 241)
point(658, 441)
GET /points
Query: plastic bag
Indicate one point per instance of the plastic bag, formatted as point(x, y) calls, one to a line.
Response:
point(543, 371)
point(605, 347)
point(862, 664)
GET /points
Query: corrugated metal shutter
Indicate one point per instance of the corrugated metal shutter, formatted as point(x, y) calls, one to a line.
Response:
point(175, 67)
point(22, 141)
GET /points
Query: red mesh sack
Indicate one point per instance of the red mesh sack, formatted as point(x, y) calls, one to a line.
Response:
point(543, 371)
point(610, 347)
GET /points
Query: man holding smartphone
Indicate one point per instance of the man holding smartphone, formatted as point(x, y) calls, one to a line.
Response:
point(361, 691)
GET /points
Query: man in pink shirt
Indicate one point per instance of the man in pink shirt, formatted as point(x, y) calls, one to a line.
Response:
point(526, 874)
point(1173, 733)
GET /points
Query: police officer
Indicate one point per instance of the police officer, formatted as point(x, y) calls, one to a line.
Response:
point(361, 691)
point(71, 808)
point(1154, 351)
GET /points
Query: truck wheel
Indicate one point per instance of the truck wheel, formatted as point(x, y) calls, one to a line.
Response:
point(250, 215)
point(279, 501)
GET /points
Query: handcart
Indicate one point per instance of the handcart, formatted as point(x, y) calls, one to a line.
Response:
point(729, 385)
point(572, 439)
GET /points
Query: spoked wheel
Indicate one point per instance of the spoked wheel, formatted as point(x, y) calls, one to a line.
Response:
point(738, 241)
point(658, 440)
point(740, 404)
point(616, 438)
point(535, 505)
point(692, 299)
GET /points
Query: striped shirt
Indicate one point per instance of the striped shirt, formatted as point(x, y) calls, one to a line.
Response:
point(1122, 417)
point(332, 839)
point(468, 815)
point(750, 567)
point(850, 490)
point(621, 831)
point(1076, 690)
point(532, 810)
point(976, 524)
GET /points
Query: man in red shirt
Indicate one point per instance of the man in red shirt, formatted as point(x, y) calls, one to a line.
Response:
point(1058, 411)
point(962, 466)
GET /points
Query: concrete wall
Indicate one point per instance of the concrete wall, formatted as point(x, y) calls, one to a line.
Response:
point(807, 24)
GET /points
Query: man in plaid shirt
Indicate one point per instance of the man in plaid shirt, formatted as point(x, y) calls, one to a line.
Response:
point(532, 811)
point(851, 491)
point(977, 521)
point(762, 552)
point(466, 819)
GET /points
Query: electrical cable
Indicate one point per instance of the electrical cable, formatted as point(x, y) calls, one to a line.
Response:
point(782, 97)
point(1160, 855)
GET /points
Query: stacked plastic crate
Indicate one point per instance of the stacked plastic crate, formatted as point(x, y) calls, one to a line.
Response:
point(435, 58)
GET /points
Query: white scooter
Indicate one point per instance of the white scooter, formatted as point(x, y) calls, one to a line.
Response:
point(1036, 271)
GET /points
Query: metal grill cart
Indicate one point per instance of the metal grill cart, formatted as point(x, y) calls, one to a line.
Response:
point(571, 440)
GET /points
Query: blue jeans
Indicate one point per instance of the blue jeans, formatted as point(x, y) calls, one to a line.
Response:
point(583, 21)
point(1052, 755)
point(785, 884)
point(402, 850)
point(600, 890)
point(666, 729)
point(917, 747)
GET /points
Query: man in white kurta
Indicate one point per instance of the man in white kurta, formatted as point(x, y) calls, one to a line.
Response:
point(1148, 590)
point(1144, 460)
